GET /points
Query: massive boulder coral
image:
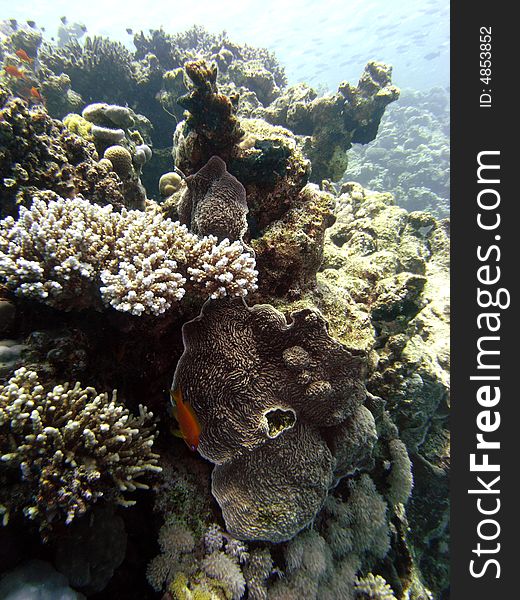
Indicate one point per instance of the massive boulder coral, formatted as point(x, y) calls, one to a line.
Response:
point(71, 446)
point(71, 254)
point(266, 392)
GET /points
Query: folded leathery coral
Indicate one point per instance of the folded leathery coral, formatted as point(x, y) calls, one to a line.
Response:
point(214, 202)
point(268, 396)
point(71, 254)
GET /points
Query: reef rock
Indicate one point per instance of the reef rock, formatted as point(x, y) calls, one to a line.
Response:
point(384, 287)
point(327, 126)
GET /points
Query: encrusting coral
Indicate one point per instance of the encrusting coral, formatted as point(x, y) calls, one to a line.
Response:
point(71, 446)
point(72, 254)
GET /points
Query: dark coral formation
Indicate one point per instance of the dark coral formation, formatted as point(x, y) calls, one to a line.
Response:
point(211, 127)
point(40, 153)
point(214, 202)
point(263, 390)
point(97, 64)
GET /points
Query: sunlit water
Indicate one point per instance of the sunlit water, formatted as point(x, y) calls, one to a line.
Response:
point(321, 42)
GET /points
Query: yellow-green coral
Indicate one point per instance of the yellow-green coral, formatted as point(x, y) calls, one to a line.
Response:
point(169, 183)
point(78, 125)
point(180, 589)
point(121, 160)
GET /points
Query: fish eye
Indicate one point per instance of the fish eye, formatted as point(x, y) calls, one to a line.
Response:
point(193, 447)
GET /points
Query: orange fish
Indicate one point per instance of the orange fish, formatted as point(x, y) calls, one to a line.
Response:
point(35, 93)
point(15, 72)
point(22, 54)
point(187, 419)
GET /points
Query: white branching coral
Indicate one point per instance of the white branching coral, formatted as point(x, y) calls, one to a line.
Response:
point(373, 588)
point(143, 275)
point(223, 269)
point(52, 252)
point(72, 254)
point(71, 446)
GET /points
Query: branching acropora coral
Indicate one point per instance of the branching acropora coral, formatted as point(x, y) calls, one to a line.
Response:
point(373, 588)
point(72, 254)
point(72, 446)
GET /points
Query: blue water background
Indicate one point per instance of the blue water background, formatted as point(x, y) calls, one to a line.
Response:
point(321, 42)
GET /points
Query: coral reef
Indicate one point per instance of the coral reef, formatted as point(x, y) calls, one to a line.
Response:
point(384, 286)
point(72, 254)
point(410, 156)
point(327, 126)
point(71, 446)
point(267, 390)
point(322, 402)
point(40, 153)
point(118, 134)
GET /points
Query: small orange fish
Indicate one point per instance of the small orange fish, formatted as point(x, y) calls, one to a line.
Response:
point(22, 54)
point(34, 92)
point(187, 419)
point(15, 72)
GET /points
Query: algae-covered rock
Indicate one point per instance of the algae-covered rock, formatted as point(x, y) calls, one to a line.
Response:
point(384, 287)
point(290, 251)
point(327, 126)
